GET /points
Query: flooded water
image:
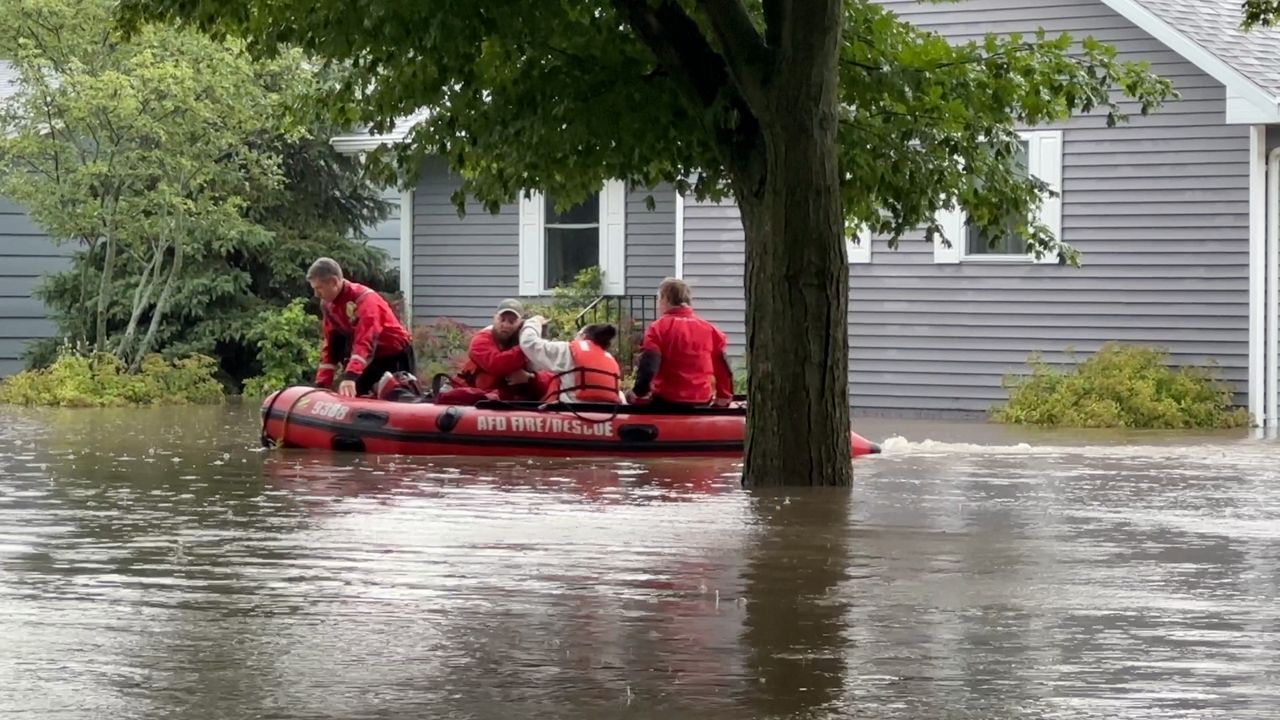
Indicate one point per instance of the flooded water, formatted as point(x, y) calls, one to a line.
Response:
point(160, 564)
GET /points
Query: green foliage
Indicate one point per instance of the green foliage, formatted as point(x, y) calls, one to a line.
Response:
point(1120, 386)
point(441, 347)
point(923, 122)
point(196, 183)
point(567, 302)
point(1260, 13)
point(102, 380)
point(288, 341)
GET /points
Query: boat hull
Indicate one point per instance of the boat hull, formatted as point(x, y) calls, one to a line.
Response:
point(311, 418)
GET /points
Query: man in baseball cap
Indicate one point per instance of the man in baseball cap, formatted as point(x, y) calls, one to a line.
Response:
point(510, 306)
point(495, 361)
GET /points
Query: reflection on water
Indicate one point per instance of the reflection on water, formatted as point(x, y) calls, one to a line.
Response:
point(159, 563)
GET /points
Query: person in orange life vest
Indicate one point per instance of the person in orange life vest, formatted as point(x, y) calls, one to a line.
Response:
point(681, 354)
point(359, 330)
point(495, 361)
point(582, 369)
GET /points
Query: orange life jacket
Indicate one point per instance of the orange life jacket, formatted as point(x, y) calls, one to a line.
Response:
point(595, 376)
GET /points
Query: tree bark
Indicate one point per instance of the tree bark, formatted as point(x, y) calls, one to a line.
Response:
point(104, 293)
point(82, 308)
point(162, 304)
point(797, 277)
point(141, 298)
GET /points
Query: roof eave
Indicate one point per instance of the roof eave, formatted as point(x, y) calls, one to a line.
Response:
point(354, 144)
point(1247, 102)
point(1246, 111)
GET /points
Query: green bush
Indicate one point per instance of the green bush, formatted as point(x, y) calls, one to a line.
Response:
point(441, 347)
point(102, 380)
point(1120, 386)
point(288, 341)
point(567, 302)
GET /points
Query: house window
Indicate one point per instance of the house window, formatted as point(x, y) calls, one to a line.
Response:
point(1008, 244)
point(556, 246)
point(1041, 156)
point(571, 240)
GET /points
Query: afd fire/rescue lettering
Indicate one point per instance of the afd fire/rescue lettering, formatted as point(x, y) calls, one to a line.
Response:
point(545, 425)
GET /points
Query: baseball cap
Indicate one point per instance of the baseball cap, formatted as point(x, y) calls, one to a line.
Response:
point(511, 305)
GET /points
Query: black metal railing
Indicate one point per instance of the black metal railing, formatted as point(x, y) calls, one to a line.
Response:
point(631, 314)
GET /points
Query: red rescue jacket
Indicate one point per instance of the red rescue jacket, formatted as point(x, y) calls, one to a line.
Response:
point(595, 376)
point(488, 365)
point(690, 352)
point(357, 327)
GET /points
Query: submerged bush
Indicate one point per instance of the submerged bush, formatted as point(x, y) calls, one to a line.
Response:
point(103, 380)
point(1120, 386)
point(441, 347)
point(288, 341)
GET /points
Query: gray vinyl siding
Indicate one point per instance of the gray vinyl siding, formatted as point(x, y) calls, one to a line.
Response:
point(464, 266)
point(714, 262)
point(26, 254)
point(1158, 209)
point(386, 234)
point(651, 239)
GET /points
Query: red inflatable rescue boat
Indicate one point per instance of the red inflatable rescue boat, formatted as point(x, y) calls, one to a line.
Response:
point(317, 419)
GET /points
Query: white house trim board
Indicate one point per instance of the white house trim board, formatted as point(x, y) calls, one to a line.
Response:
point(679, 234)
point(613, 241)
point(1253, 104)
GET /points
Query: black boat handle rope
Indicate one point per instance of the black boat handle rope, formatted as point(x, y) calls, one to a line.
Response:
point(284, 427)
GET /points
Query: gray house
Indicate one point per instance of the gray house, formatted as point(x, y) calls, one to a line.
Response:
point(1170, 213)
point(26, 253)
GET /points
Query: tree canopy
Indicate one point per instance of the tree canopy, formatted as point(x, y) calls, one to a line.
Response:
point(1260, 13)
point(563, 95)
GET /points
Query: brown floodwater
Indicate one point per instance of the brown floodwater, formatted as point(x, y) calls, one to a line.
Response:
point(159, 563)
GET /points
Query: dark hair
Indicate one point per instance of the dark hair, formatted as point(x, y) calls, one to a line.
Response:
point(601, 334)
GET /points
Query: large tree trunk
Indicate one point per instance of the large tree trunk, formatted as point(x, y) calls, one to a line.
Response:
point(796, 276)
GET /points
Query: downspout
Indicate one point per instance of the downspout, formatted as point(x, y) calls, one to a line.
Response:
point(1273, 288)
point(406, 253)
point(1257, 272)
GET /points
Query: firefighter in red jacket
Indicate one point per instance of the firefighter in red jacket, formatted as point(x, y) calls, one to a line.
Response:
point(359, 330)
point(682, 355)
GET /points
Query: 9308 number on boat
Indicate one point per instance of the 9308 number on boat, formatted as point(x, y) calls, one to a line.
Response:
point(337, 411)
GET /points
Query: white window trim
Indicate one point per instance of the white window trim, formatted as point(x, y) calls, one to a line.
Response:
point(613, 241)
point(1044, 160)
point(857, 244)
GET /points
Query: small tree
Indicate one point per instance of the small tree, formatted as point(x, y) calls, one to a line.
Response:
point(196, 182)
